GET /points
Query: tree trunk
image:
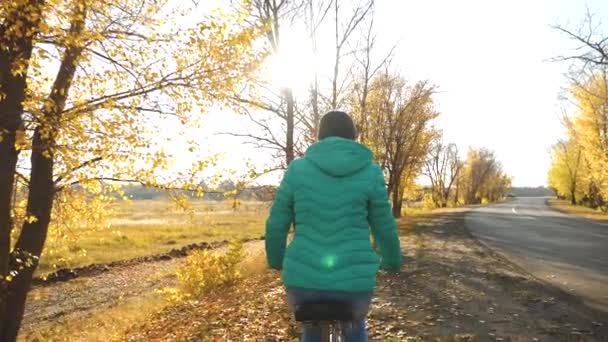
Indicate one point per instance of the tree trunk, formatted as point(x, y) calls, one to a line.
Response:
point(446, 198)
point(23, 21)
point(316, 115)
point(289, 148)
point(457, 194)
point(28, 248)
point(32, 238)
point(397, 201)
point(10, 120)
point(334, 81)
point(572, 198)
point(363, 129)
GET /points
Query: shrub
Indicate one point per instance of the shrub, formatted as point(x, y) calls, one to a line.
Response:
point(204, 271)
point(428, 202)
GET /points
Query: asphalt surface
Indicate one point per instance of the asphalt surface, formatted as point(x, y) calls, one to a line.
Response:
point(566, 251)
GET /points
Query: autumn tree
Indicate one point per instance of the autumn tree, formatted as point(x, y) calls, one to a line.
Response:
point(482, 178)
point(285, 122)
point(442, 167)
point(591, 127)
point(348, 32)
point(578, 168)
point(19, 27)
point(369, 63)
point(565, 174)
point(343, 30)
point(587, 143)
point(315, 13)
point(271, 108)
point(400, 131)
point(84, 87)
point(496, 187)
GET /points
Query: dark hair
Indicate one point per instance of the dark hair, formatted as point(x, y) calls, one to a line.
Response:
point(337, 124)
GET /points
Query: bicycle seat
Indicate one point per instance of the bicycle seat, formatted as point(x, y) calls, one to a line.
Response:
point(324, 311)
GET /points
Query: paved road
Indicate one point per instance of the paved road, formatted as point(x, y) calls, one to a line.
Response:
point(569, 252)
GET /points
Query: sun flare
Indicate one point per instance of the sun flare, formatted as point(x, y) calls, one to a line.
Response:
point(292, 67)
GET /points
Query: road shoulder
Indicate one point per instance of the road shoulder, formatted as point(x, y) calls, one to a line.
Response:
point(577, 211)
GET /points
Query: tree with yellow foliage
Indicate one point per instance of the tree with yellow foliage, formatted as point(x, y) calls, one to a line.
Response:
point(482, 178)
point(83, 86)
point(588, 125)
point(591, 127)
point(579, 165)
point(565, 175)
point(399, 130)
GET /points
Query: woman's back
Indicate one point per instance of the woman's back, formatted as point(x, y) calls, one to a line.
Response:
point(333, 196)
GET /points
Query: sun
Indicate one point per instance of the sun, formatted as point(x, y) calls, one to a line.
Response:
point(293, 66)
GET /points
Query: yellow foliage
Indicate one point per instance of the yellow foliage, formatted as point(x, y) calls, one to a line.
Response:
point(398, 129)
point(103, 80)
point(206, 270)
point(482, 179)
point(76, 214)
point(579, 167)
point(591, 128)
point(136, 74)
point(567, 171)
point(428, 202)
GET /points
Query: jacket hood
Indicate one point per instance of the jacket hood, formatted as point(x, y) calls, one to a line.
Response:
point(338, 156)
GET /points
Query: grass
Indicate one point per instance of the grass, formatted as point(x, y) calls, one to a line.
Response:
point(149, 227)
point(142, 228)
point(418, 217)
point(579, 210)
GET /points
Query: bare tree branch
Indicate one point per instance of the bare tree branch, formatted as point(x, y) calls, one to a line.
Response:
point(81, 166)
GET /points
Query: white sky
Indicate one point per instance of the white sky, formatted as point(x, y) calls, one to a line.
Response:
point(489, 60)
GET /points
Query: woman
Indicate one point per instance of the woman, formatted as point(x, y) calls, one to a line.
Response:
point(334, 196)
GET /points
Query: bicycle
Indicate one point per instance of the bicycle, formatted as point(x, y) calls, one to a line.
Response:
point(331, 316)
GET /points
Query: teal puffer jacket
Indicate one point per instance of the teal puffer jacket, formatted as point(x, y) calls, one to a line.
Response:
point(335, 196)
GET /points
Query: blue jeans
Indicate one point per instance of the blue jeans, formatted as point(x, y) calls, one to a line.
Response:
point(355, 332)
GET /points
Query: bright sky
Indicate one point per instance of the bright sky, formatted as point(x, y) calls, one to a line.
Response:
point(490, 62)
point(489, 59)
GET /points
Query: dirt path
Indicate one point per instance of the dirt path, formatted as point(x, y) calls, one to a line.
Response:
point(77, 298)
point(451, 288)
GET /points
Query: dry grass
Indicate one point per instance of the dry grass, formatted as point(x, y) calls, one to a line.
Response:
point(147, 227)
point(141, 228)
point(418, 217)
point(578, 210)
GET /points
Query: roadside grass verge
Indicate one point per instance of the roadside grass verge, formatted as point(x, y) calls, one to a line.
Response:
point(578, 210)
point(148, 227)
point(419, 218)
point(143, 228)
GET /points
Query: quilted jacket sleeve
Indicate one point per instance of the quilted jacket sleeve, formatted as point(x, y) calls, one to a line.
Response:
point(279, 221)
point(383, 225)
